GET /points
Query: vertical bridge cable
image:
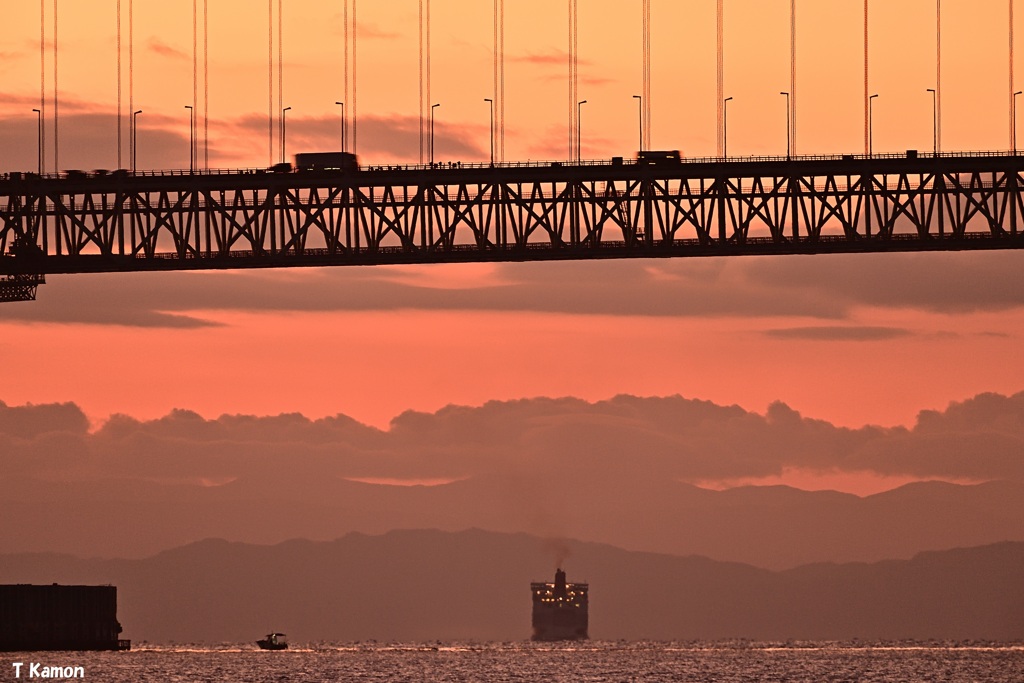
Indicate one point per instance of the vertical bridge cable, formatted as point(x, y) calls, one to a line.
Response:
point(425, 101)
point(131, 73)
point(647, 74)
point(119, 106)
point(938, 75)
point(344, 114)
point(56, 148)
point(867, 87)
point(576, 66)
point(574, 90)
point(792, 74)
point(42, 82)
point(1013, 109)
point(501, 65)
point(355, 73)
point(494, 56)
point(280, 73)
point(720, 53)
point(206, 85)
point(426, 39)
point(195, 82)
point(422, 116)
point(270, 82)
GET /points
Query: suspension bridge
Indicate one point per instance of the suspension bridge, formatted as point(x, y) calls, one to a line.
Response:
point(652, 207)
point(656, 205)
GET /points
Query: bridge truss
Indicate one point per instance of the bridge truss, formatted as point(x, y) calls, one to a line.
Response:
point(119, 222)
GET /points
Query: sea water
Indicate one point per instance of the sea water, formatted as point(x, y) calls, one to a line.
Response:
point(732, 662)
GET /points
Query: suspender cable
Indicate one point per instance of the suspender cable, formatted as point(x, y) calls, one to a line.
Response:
point(206, 85)
point(270, 82)
point(424, 37)
point(131, 72)
point(422, 98)
point(499, 79)
point(494, 56)
point(118, 83)
point(501, 65)
point(42, 82)
point(355, 74)
point(792, 75)
point(280, 75)
point(867, 85)
point(647, 74)
point(1013, 111)
point(195, 78)
point(720, 54)
point(938, 75)
point(56, 147)
point(573, 88)
point(344, 115)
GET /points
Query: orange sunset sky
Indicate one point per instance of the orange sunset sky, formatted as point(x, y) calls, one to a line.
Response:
point(848, 339)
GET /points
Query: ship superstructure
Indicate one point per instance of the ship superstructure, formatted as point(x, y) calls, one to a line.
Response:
point(560, 609)
point(59, 618)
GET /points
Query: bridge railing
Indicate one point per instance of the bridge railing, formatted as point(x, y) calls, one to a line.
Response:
point(529, 163)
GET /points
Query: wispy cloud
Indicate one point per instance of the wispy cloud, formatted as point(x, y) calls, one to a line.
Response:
point(166, 50)
point(552, 56)
point(840, 333)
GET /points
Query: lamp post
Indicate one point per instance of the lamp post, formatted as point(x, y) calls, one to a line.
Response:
point(135, 138)
point(579, 131)
point(191, 138)
point(640, 107)
point(284, 133)
point(342, 125)
point(39, 138)
point(725, 127)
point(935, 122)
point(488, 99)
point(788, 134)
point(432, 108)
point(1013, 116)
point(871, 125)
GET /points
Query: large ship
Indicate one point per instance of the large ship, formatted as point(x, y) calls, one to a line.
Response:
point(560, 609)
point(59, 618)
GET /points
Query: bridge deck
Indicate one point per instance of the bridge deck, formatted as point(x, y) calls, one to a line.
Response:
point(514, 212)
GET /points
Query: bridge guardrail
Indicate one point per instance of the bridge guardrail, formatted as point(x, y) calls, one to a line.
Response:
point(529, 163)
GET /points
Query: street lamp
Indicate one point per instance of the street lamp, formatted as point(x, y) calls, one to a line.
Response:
point(1013, 116)
point(488, 99)
point(579, 131)
point(871, 125)
point(432, 108)
point(725, 127)
point(788, 140)
point(39, 138)
point(640, 106)
point(191, 138)
point(342, 125)
point(935, 122)
point(135, 138)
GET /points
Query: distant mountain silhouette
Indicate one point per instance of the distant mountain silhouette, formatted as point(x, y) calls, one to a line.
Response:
point(434, 585)
point(773, 527)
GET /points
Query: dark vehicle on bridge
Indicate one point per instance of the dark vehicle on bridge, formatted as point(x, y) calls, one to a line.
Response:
point(326, 161)
point(658, 157)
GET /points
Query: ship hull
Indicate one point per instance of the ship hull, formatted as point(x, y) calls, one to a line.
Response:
point(56, 617)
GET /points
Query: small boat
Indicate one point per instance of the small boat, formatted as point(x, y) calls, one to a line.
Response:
point(274, 641)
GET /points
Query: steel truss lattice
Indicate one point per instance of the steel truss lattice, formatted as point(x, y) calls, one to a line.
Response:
point(509, 213)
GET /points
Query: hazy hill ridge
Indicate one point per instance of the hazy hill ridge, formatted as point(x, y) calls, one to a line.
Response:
point(433, 585)
point(773, 527)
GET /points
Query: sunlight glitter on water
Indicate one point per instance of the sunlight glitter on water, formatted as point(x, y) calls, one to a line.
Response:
point(723, 662)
